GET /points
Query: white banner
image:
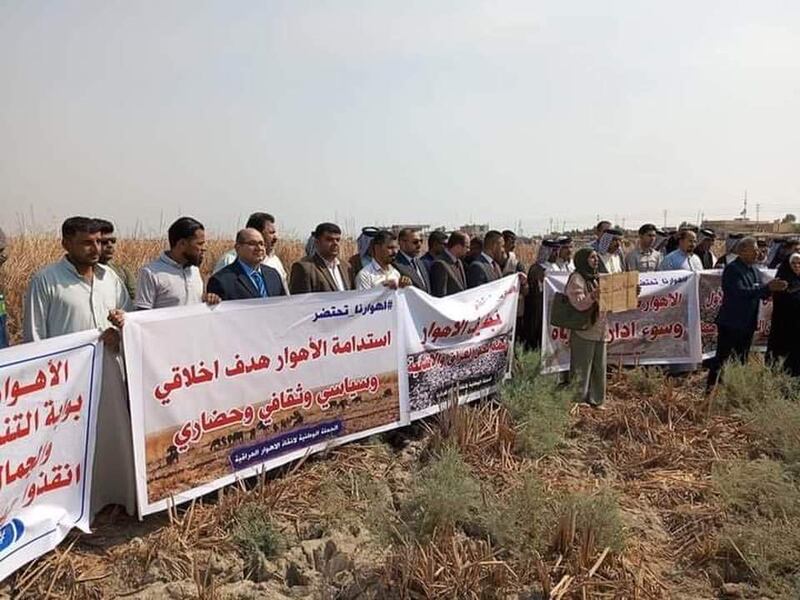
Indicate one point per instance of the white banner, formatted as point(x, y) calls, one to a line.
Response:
point(458, 345)
point(710, 295)
point(48, 409)
point(226, 392)
point(665, 329)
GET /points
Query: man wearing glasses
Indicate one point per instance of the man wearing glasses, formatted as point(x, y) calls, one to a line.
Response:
point(108, 246)
point(247, 277)
point(408, 262)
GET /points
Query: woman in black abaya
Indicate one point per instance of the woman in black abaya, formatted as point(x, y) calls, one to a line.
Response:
point(784, 335)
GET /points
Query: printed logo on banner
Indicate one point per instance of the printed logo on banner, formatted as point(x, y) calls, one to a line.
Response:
point(48, 395)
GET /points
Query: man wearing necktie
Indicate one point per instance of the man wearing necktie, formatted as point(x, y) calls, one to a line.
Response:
point(247, 277)
point(486, 266)
point(408, 262)
point(447, 275)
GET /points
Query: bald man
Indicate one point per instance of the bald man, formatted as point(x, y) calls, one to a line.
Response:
point(247, 276)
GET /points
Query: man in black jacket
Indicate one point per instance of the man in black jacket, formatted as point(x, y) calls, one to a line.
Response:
point(408, 262)
point(738, 316)
point(246, 277)
point(486, 265)
point(447, 271)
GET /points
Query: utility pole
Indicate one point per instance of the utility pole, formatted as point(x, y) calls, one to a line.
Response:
point(665, 218)
point(758, 211)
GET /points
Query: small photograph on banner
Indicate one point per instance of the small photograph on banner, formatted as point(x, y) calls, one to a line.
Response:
point(466, 371)
point(618, 292)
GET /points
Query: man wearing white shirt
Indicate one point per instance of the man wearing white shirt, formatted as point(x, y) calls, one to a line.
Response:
point(644, 257)
point(265, 223)
point(563, 262)
point(684, 258)
point(380, 272)
point(77, 294)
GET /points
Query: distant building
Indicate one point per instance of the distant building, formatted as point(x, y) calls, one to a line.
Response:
point(422, 229)
point(741, 225)
point(475, 230)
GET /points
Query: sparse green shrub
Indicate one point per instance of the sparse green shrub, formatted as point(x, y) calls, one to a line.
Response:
point(765, 552)
point(750, 487)
point(749, 386)
point(538, 405)
point(254, 532)
point(525, 521)
point(444, 495)
point(646, 381)
point(592, 520)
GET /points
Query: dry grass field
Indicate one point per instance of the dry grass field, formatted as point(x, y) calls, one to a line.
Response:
point(666, 495)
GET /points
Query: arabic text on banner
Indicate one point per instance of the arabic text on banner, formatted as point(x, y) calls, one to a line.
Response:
point(226, 392)
point(665, 329)
point(710, 297)
point(48, 408)
point(459, 345)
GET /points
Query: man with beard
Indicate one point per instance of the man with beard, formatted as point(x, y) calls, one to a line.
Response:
point(108, 247)
point(173, 279)
point(684, 258)
point(705, 241)
point(485, 267)
point(408, 262)
point(644, 257)
point(321, 270)
point(77, 294)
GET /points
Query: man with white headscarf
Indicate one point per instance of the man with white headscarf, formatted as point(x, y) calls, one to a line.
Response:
point(363, 256)
point(609, 249)
point(532, 317)
point(731, 241)
point(705, 240)
point(563, 259)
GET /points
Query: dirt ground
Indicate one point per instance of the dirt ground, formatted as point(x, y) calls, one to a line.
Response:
point(654, 451)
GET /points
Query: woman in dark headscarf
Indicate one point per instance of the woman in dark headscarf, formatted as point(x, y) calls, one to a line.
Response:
point(587, 348)
point(784, 334)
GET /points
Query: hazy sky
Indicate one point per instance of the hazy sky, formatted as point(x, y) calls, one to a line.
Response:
point(376, 112)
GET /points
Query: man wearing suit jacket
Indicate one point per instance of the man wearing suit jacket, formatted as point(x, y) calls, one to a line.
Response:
point(408, 262)
point(322, 271)
point(486, 266)
point(247, 277)
point(738, 316)
point(447, 271)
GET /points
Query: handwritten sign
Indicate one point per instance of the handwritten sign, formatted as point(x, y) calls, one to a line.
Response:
point(48, 399)
point(618, 291)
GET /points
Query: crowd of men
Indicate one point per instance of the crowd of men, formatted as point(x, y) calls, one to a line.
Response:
point(87, 289)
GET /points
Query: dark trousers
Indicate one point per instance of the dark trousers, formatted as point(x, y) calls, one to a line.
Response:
point(730, 342)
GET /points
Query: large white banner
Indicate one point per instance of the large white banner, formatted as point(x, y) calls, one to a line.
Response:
point(665, 329)
point(458, 346)
point(226, 392)
point(48, 408)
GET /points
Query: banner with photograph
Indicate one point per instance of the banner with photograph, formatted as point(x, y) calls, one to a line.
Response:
point(710, 294)
point(48, 410)
point(458, 347)
point(664, 329)
point(219, 393)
